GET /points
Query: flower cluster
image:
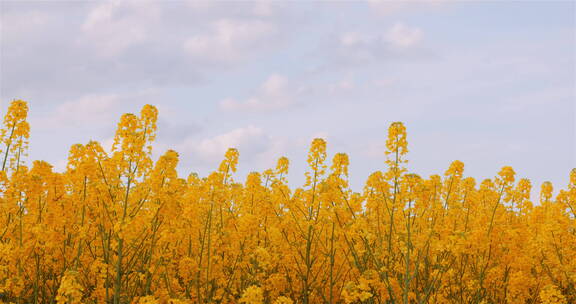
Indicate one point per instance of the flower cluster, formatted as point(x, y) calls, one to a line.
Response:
point(119, 227)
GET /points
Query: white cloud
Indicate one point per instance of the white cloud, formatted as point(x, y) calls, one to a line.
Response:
point(113, 26)
point(82, 111)
point(248, 140)
point(341, 86)
point(263, 7)
point(387, 7)
point(383, 82)
point(230, 40)
point(355, 47)
point(258, 150)
point(17, 26)
point(401, 35)
point(96, 110)
point(274, 93)
point(350, 39)
point(277, 92)
point(200, 5)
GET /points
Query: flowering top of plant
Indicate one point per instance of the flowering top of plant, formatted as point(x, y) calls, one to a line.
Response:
point(120, 227)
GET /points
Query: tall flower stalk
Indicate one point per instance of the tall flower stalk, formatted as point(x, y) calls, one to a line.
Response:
point(122, 227)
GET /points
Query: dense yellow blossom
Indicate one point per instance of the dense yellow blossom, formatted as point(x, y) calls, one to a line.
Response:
point(550, 295)
point(70, 291)
point(14, 135)
point(252, 295)
point(119, 227)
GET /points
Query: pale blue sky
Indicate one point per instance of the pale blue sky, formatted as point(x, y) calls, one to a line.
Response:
point(489, 83)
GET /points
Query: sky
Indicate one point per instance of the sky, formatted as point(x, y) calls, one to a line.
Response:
point(490, 83)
